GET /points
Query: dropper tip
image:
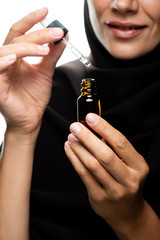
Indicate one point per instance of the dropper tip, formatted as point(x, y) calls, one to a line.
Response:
point(85, 61)
point(87, 64)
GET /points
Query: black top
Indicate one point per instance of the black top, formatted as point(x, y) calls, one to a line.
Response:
point(130, 97)
point(130, 102)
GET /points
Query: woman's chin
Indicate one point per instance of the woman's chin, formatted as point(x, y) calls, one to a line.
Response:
point(128, 52)
point(125, 53)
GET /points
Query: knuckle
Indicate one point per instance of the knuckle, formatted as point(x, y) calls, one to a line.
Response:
point(133, 185)
point(121, 142)
point(83, 173)
point(32, 47)
point(143, 168)
point(93, 165)
point(103, 126)
point(85, 136)
point(38, 34)
point(121, 195)
point(14, 28)
point(100, 198)
point(106, 157)
point(116, 194)
point(14, 40)
point(144, 171)
point(134, 188)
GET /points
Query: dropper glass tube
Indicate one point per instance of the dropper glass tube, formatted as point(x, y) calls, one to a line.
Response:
point(77, 53)
point(47, 23)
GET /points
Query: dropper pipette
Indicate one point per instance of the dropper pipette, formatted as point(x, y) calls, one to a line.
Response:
point(77, 53)
point(47, 23)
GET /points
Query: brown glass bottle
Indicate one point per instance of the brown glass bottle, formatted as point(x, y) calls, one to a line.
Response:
point(88, 101)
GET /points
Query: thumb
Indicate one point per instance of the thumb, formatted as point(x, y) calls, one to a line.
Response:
point(48, 63)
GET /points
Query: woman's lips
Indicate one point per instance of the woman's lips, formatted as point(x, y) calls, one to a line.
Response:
point(125, 30)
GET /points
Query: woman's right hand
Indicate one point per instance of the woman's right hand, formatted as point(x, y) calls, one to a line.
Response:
point(25, 88)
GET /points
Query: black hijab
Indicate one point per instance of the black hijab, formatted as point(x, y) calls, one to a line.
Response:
point(129, 92)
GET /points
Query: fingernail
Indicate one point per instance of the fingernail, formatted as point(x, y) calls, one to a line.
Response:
point(40, 11)
point(43, 49)
point(56, 32)
point(92, 118)
point(75, 128)
point(66, 145)
point(72, 138)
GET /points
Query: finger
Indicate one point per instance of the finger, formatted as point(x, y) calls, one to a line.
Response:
point(93, 165)
point(41, 36)
point(21, 27)
point(116, 140)
point(90, 182)
point(24, 50)
point(7, 61)
point(103, 153)
point(48, 63)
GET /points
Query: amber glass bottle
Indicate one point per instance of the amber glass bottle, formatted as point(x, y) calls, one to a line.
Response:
point(88, 101)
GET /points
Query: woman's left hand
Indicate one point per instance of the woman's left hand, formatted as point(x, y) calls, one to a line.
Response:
point(112, 171)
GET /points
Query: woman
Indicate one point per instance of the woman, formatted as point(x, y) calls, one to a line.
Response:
point(125, 54)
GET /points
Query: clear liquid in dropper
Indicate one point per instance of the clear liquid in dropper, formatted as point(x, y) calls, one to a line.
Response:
point(77, 53)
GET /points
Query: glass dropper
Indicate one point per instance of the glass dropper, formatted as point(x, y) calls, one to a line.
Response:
point(47, 23)
point(77, 53)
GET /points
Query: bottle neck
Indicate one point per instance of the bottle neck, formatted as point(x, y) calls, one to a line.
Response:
point(88, 92)
point(88, 87)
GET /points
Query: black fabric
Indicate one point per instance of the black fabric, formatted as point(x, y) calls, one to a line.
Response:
point(129, 92)
point(0, 149)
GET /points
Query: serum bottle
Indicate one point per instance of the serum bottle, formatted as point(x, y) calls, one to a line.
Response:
point(88, 101)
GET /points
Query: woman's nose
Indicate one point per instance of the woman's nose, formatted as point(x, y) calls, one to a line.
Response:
point(125, 6)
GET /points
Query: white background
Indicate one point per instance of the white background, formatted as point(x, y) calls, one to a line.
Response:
point(68, 12)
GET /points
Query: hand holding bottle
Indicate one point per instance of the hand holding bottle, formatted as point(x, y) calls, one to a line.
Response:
point(25, 89)
point(113, 173)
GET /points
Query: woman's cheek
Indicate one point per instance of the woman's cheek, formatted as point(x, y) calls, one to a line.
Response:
point(151, 9)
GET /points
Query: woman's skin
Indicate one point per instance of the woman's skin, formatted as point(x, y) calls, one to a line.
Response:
point(114, 178)
point(113, 181)
point(25, 91)
point(145, 13)
point(28, 86)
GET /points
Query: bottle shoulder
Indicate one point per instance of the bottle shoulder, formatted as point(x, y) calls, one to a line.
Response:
point(88, 97)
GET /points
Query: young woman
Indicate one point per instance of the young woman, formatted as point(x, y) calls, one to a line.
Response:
point(118, 195)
